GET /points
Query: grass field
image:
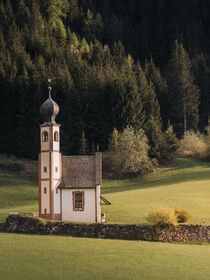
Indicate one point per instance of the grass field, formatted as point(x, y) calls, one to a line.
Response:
point(185, 186)
point(25, 257)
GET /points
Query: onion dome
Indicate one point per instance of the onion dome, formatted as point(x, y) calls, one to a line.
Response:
point(49, 109)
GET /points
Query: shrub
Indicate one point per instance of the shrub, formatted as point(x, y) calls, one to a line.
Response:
point(162, 216)
point(130, 152)
point(192, 145)
point(182, 216)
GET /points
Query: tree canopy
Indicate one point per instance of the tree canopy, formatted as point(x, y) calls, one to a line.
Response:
point(113, 64)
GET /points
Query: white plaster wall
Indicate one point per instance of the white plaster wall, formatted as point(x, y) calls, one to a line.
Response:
point(56, 145)
point(45, 162)
point(98, 193)
point(57, 209)
point(68, 214)
point(45, 198)
point(44, 145)
point(56, 162)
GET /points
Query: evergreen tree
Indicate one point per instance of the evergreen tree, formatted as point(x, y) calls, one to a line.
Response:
point(84, 46)
point(57, 9)
point(202, 72)
point(83, 144)
point(152, 122)
point(93, 26)
point(118, 54)
point(184, 94)
point(153, 74)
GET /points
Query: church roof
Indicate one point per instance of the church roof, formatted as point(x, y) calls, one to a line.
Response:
point(81, 171)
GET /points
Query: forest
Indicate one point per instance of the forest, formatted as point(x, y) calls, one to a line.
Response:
point(113, 64)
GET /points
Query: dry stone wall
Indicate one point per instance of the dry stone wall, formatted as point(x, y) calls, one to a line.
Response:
point(166, 233)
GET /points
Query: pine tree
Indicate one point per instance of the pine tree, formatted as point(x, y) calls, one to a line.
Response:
point(93, 26)
point(57, 10)
point(202, 72)
point(118, 54)
point(152, 122)
point(83, 144)
point(184, 94)
point(153, 74)
point(127, 105)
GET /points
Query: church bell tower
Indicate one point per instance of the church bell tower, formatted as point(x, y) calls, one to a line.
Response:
point(49, 161)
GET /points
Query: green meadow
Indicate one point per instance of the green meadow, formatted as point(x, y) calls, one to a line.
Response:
point(185, 185)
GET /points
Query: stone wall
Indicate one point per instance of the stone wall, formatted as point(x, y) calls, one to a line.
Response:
point(167, 233)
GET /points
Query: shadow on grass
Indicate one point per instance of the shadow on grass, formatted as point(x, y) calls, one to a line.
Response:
point(165, 177)
point(2, 227)
point(10, 180)
point(185, 163)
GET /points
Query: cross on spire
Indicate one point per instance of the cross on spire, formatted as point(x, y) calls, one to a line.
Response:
point(49, 87)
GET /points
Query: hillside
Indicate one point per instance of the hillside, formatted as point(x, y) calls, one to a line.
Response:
point(113, 64)
point(185, 185)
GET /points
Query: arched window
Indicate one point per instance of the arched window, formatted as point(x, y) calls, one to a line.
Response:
point(44, 136)
point(56, 137)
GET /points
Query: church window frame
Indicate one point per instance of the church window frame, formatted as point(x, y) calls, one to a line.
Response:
point(78, 200)
point(44, 136)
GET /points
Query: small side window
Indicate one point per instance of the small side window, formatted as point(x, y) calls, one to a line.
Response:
point(45, 190)
point(45, 169)
point(78, 201)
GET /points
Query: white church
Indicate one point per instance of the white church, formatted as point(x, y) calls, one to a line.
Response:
point(69, 186)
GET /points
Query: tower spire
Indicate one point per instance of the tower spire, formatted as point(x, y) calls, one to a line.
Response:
point(49, 87)
point(49, 109)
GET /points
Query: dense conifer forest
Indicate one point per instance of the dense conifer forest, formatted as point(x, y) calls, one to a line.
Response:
point(113, 64)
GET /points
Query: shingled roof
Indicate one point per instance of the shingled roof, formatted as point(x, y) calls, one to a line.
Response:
point(81, 171)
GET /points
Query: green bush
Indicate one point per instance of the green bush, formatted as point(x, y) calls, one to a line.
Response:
point(182, 216)
point(162, 216)
point(128, 152)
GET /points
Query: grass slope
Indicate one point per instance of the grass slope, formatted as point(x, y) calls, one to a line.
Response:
point(49, 257)
point(185, 186)
point(16, 194)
